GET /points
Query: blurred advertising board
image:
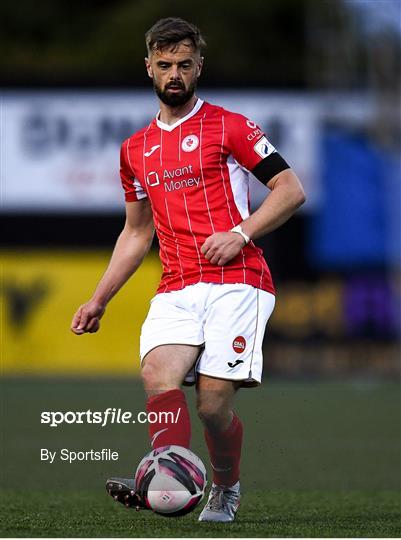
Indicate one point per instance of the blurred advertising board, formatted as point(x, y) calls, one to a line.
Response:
point(338, 307)
point(40, 294)
point(61, 148)
point(324, 325)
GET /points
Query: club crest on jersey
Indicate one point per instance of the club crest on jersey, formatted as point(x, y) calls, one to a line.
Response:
point(239, 344)
point(190, 143)
point(263, 148)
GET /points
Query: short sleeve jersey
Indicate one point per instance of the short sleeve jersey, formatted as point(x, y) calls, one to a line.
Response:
point(196, 176)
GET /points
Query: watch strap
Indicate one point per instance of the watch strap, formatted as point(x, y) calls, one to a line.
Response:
point(238, 229)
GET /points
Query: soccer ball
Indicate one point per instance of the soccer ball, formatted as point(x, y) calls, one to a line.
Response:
point(171, 480)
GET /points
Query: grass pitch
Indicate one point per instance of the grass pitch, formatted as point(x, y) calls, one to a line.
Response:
point(319, 460)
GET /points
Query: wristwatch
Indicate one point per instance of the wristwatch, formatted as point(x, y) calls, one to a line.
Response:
point(238, 229)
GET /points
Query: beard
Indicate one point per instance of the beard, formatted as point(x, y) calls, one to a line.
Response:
point(175, 99)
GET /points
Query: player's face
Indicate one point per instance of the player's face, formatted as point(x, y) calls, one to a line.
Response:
point(175, 72)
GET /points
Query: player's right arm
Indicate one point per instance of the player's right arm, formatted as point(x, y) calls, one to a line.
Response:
point(131, 247)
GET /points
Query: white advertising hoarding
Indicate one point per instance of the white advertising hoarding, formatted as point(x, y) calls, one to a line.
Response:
point(60, 149)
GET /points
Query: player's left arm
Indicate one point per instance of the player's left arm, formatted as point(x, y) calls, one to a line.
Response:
point(287, 195)
point(252, 150)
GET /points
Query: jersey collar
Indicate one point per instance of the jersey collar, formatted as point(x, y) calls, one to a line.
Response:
point(168, 127)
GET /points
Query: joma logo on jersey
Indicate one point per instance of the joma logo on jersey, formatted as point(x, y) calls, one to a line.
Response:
point(153, 149)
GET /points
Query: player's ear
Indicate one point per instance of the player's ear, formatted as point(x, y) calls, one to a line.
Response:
point(149, 68)
point(200, 65)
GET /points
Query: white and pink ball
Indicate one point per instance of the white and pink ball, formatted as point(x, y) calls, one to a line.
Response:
point(171, 480)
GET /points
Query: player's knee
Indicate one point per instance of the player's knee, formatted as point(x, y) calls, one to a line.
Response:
point(213, 414)
point(156, 380)
point(151, 378)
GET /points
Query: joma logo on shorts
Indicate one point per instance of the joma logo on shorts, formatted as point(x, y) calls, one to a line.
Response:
point(234, 364)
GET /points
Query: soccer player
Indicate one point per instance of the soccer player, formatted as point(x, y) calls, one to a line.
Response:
point(186, 176)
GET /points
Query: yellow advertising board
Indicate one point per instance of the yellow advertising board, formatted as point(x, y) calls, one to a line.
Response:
point(40, 292)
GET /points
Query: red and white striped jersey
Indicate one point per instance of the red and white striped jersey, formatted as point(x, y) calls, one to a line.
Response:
point(195, 174)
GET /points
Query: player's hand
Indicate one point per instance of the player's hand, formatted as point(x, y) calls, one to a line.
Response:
point(87, 318)
point(221, 247)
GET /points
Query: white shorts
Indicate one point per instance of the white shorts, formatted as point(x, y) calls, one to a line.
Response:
point(228, 320)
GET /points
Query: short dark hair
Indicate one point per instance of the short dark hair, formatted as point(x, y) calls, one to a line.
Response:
point(170, 31)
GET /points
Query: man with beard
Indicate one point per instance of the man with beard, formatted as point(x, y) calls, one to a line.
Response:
point(186, 175)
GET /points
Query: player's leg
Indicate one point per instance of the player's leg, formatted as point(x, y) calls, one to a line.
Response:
point(164, 367)
point(223, 435)
point(235, 322)
point(170, 342)
point(223, 429)
point(163, 371)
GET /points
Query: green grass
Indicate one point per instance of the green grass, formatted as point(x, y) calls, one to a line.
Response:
point(319, 460)
point(264, 514)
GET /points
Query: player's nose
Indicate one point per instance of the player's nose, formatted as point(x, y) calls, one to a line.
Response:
point(174, 73)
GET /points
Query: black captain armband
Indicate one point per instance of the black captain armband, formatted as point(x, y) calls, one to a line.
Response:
point(269, 167)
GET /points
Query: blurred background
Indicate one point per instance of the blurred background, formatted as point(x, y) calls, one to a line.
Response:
point(322, 78)
point(323, 81)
